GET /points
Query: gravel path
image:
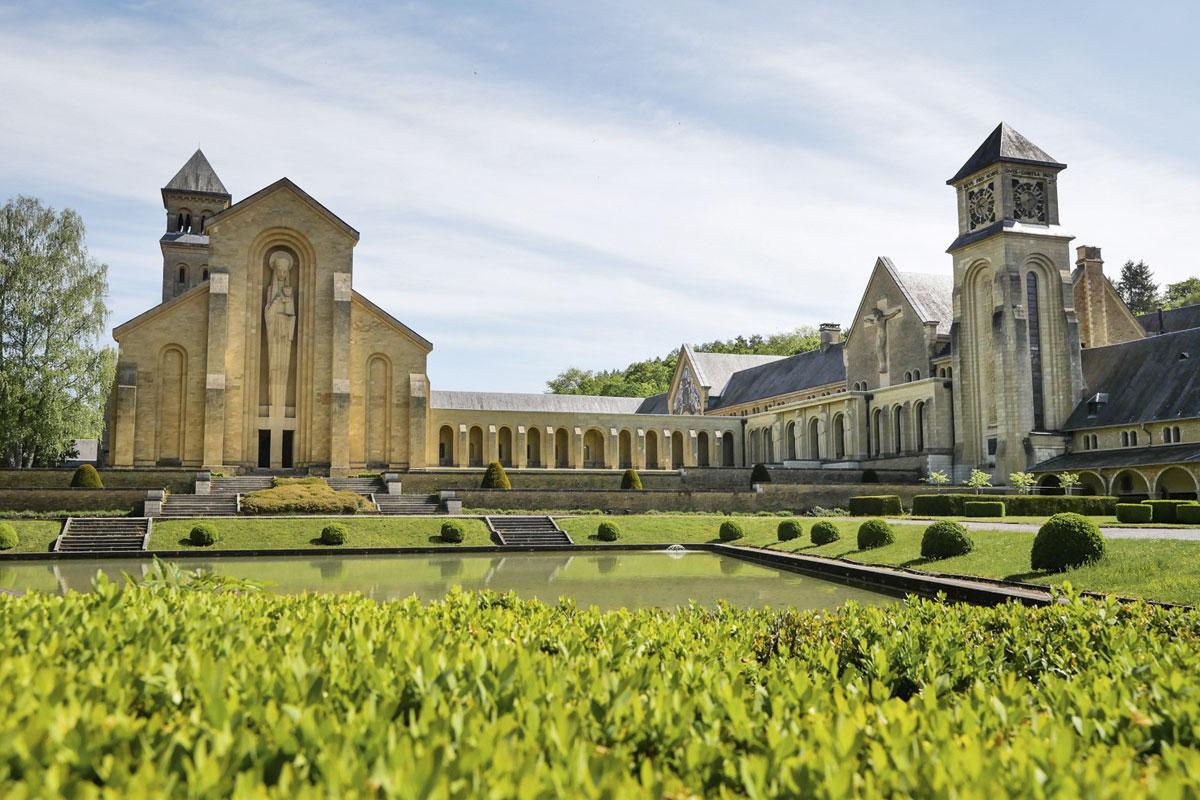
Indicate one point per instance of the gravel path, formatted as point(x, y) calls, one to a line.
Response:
point(1182, 534)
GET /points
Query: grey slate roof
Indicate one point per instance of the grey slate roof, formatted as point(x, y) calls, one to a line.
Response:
point(1146, 380)
point(197, 175)
point(932, 296)
point(1005, 144)
point(1123, 457)
point(654, 404)
point(792, 374)
point(716, 368)
point(1177, 319)
point(178, 237)
point(556, 403)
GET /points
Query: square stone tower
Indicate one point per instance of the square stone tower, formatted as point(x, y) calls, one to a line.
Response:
point(190, 198)
point(1014, 341)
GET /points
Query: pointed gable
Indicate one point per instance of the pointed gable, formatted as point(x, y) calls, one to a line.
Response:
point(197, 175)
point(1005, 144)
point(284, 184)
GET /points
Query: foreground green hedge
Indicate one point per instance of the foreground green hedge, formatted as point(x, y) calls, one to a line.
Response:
point(304, 496)
point(880, 505)
point(950, 504)
point(169, 692)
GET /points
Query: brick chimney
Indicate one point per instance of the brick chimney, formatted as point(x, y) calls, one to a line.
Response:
point(831, 333)
point(1091, 308)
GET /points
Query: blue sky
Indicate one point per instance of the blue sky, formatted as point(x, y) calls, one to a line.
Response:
point(542, 185)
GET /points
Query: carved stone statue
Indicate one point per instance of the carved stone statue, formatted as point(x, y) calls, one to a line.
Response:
point(879, 319)
point(279, 316)
point(687, 396)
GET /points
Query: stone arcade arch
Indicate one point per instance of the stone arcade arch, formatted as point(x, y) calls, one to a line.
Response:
point(727, 449)
point(702, 457)
point(839, 436)
point(1130, 483)
point(533, 446)
point(446, 446)
point(677, 449)
point(504, 446)
point(1175, 483)
point(814, 439)
point(1090, 484)
point(562, 448)
point(791, 441)
point(919, 427)
point(651, 450)
point(593, 449)
point(475, 447)
point(625, 450)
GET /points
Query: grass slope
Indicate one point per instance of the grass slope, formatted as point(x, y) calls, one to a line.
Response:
point(245, 533)
point(36, 535)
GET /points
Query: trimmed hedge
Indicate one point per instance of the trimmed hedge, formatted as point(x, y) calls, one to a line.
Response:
point(869, 476)
point(333, 534)
point(789, 529)
point(874, 533)
point(1164, 510)
point(875, 505)
point(86, 477)
point(1134, 512)
point(631, 481)
point(1188, 515)
point(495, 477)
point(730, 531)
point(1065, 541)
point(452, 531)
point(8, 536)
point(202, 535)
point(303, 496)
point(945, 539)
point(760, 474)
point(983, 508)
point(608, 532)
point(950, 504)
point(824, 532)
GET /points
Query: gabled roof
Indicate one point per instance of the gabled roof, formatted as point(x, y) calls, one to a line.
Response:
point(654, 404)
point(1123, 457)
point(420, 340)
point(931, 295)
point(1168, 321)
point(555, 403)
point(283, 184)
point(162, 308)
point(1005, 144)
point(197, 175)
point(1146, 380)
point(797, 373)
point(715, 369)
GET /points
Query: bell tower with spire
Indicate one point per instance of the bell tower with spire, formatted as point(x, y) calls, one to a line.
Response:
point(1014, 340)
point(190, 198)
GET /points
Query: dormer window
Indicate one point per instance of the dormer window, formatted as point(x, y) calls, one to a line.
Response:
point(1095, 403)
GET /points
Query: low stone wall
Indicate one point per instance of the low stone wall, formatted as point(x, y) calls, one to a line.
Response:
point(176, 480)
point(72, 500)
point(774, 497)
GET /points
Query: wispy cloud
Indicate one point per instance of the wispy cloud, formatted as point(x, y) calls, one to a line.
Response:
point(540, 188)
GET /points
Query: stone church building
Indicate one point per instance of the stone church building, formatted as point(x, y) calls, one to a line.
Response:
point(262, 355)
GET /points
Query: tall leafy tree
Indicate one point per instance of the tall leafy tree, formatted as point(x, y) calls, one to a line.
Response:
point(1137, 287)
point(1183, 293)
point(54, 371)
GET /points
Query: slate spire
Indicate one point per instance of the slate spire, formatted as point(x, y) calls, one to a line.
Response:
point(197, 175)
point(1005, 144)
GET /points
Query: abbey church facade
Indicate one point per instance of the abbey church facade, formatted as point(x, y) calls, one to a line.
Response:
point(1019, 356)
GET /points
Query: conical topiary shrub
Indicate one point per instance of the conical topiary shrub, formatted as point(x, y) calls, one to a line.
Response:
point(86, 477)
point(760, 474)
point(631, 481)
point(495, 477)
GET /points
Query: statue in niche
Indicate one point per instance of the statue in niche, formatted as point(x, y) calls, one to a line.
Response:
point(879, 319)
point(279, 316)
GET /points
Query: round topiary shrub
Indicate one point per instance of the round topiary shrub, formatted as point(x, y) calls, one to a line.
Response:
point(760, 474)
point(869, 476)
point(824, 532)
point(495, 477)
point(202, 535)
point(452, 531)
point(1065, 541)
point(874, 533)
point(730, 531)
point(333, 533)
point(8, 536)
point(945, 539)
point(789, 529)
point(86, 477)
point(608, 532)
point(631, 481)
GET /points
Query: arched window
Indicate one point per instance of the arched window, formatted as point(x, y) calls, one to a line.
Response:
point(1095, 442)
point(916, 374)
point(1167, 435)
point(919, 422)
point(204, 275)
point(897, 429)
point(203, 222)
point(908, 376)
point(182, 278)
point(877, 431)
point(1177, 438)
point(1133, 438)
point(1124, 438)
point(1035, 350)
point(1087, 442)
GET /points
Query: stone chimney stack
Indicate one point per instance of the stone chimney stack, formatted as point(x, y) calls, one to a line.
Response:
point(1091, 308)
point(831, 333)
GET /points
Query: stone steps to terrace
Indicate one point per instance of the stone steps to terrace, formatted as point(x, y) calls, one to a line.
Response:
point(513, 531)
point(364, 486)
point(397, 504)
point(103, 534)
point(200, 505)
point(242, 484)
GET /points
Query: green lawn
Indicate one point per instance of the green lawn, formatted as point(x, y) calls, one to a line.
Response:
point(1155, 569)
point(36, 535)
point(246, 533)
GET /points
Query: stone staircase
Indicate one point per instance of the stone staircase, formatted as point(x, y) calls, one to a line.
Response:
point(103, 534)
point(364, 486)
point(515, 531)
point(397, 504)
point(200, 505)
point(241, 484)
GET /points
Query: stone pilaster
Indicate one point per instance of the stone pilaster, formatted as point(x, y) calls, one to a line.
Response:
point(214, 379)
point(418, 415)
point(339, 390)
point(124, 416)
